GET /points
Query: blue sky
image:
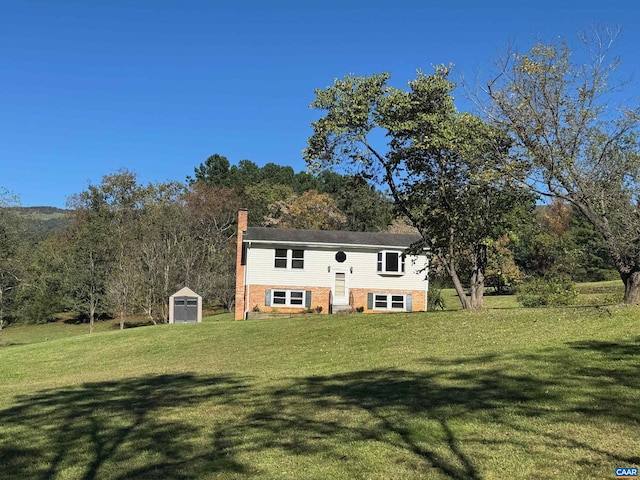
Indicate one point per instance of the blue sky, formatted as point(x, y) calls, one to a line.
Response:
point(90, 87)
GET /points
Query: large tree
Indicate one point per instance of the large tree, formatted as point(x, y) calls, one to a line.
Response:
point(366, 208)
point(209, 251)
point(213, 171)
point(438, 164)
point(125, 199)
point(572, 142)
point(311, 211)
point(89, 249)
point(164, 229)
point(11, 236)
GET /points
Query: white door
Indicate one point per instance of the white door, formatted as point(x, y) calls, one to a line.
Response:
point(340, 293)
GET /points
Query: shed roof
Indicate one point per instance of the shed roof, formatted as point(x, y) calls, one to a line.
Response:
point(186, 292)
point(329, 237)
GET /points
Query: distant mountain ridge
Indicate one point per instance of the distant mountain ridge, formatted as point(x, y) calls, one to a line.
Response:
point(44, 219)
point(44, 209)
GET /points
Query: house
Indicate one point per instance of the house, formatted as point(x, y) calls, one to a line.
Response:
point(289, 270)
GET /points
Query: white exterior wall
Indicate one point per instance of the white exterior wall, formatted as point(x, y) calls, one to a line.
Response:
point(360, 267)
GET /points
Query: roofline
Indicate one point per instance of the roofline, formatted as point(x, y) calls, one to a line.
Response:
point(323, 244)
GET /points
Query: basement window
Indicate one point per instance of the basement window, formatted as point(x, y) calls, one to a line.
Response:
point(287, 298)
point(389, 301)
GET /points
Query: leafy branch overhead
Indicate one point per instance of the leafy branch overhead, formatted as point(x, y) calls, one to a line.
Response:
point(441, 166)
point(576, 146)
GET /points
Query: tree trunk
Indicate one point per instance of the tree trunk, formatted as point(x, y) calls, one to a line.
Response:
point(453, 274)
point(631, 287)
point(478, 275)
point(460, 291)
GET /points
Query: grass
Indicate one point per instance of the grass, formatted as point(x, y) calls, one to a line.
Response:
point(590, 294)
point(507, 393)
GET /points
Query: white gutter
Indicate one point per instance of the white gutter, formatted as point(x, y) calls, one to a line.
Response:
point(328, 245)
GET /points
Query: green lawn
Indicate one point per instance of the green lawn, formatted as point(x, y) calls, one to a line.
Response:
point(506, 393)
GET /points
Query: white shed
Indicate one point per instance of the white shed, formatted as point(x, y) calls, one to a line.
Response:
point(185, 306)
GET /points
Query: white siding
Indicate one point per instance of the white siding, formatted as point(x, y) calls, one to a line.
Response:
point(320, 265)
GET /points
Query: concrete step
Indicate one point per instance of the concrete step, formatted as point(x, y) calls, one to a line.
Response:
point(341, 308)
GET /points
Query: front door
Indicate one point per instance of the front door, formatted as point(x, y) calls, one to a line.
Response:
point(340, 293)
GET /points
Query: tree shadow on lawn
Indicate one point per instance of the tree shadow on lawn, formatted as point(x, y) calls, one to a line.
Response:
point(430, 421)
point(615, 350)
point(112, 424)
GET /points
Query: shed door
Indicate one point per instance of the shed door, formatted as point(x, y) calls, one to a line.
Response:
point(185, 309)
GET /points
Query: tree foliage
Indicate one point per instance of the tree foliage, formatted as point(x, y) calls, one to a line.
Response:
point(309, 211)
point(572, 143)
point(11, 249)
point(130, 246)
point(439, 164)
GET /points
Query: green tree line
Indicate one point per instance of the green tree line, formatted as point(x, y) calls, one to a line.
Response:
point(542, 181)
point(126, 247)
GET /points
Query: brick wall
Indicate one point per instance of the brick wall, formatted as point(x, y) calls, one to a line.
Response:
point(358, 298)
point(319, 297)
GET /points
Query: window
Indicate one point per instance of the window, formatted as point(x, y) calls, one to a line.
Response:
point(287, 298)
point(297, 258)
point(381, 301)
point(296, 298)
point(389, 301)
point(390, 262)
point(279, 297)
point(281, 258)
point(289, 258)
point(397, 301)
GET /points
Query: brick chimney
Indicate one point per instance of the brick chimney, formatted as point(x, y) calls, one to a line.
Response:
point(240, 267)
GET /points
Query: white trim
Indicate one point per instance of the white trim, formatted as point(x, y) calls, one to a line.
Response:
point(341, 246)
point(289, 260)
point(345, 299)
point(287, 297)
point(389, 301)
point(401, 263)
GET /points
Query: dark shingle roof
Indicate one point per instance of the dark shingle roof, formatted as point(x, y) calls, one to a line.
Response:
point(330, 237)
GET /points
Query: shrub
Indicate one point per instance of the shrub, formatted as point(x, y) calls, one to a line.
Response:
point(318, 309)
point(434, 296)
point(359, 309)
point(552, 291)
